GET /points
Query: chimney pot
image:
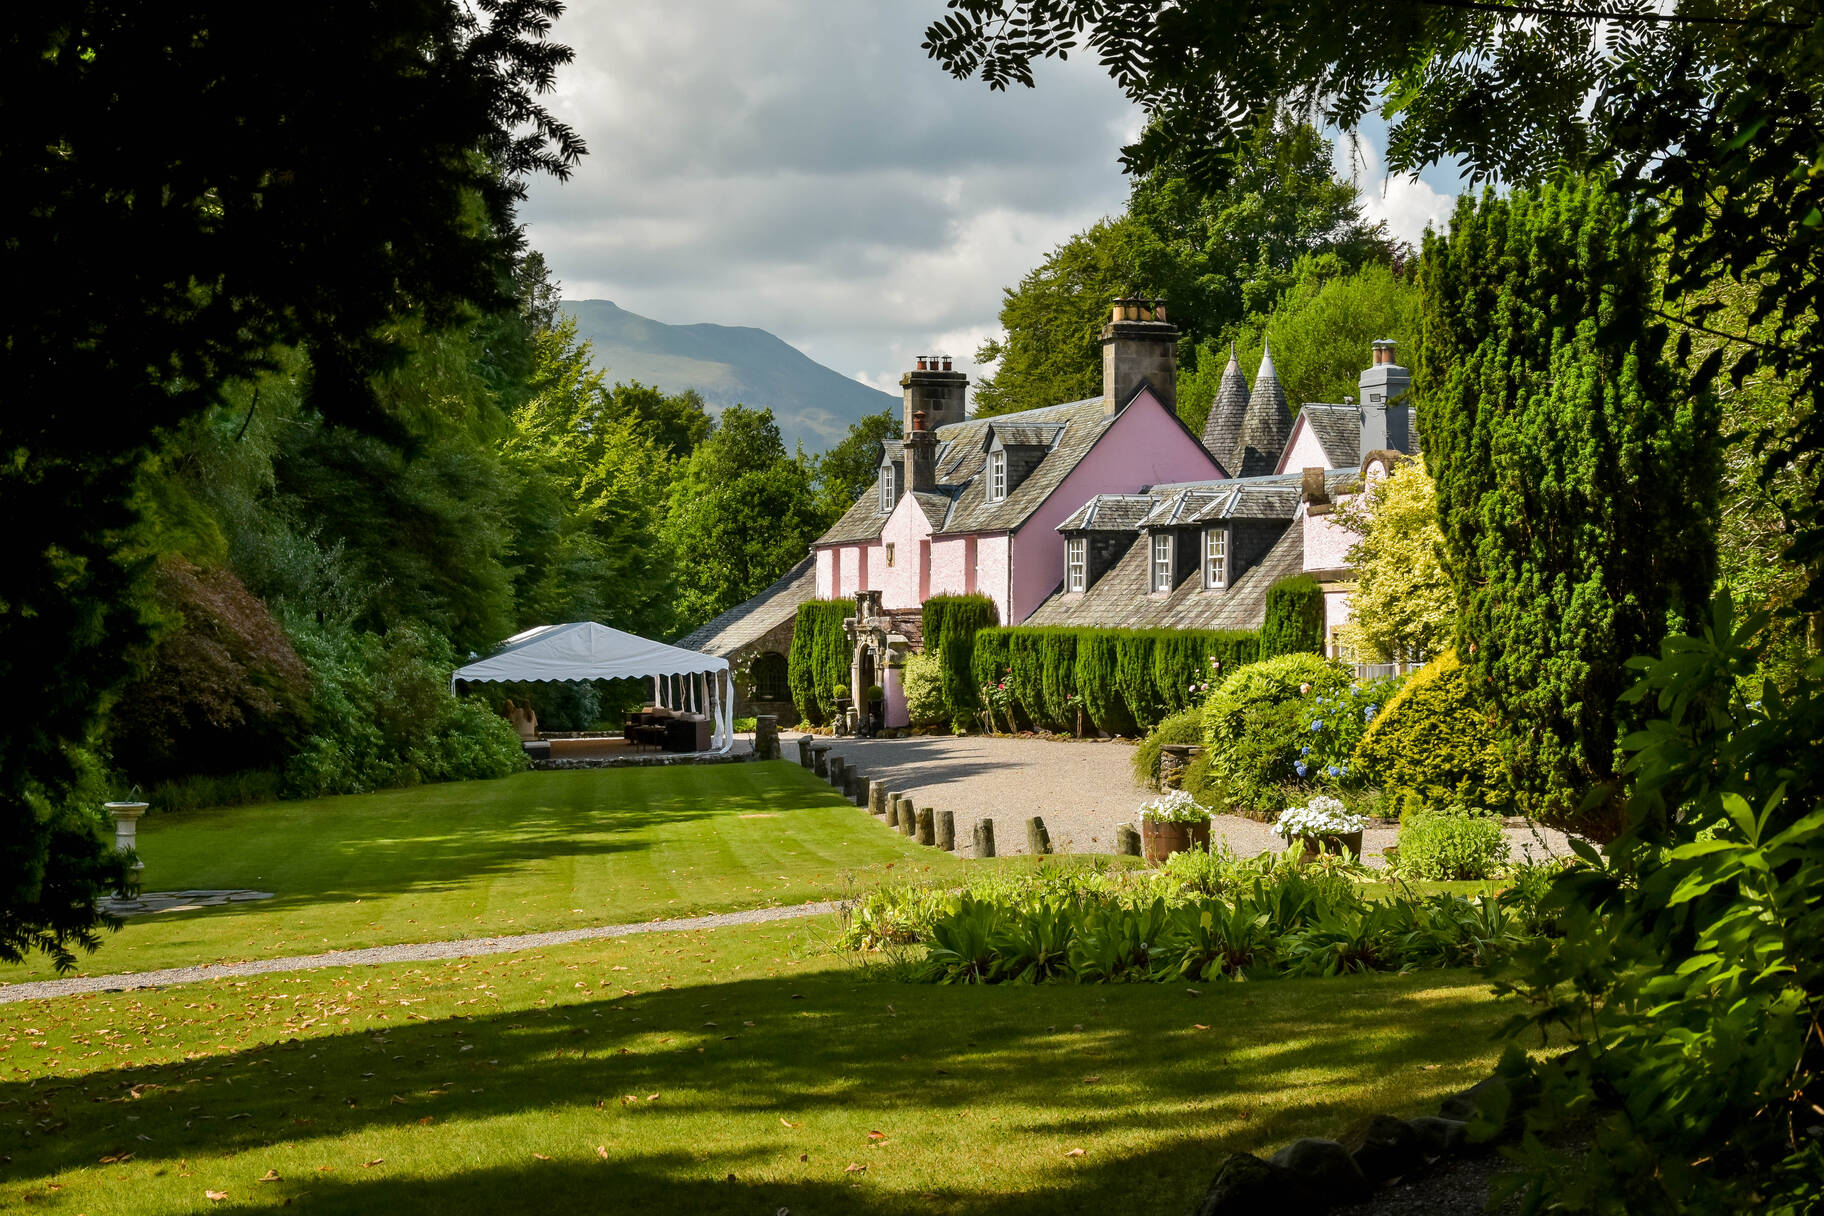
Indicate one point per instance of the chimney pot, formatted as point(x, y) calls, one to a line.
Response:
point(921, 363)
point(946, 362)
point(918, 420)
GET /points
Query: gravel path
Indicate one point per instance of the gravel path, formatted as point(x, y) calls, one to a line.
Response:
point(418, 952)
point(1082, 789)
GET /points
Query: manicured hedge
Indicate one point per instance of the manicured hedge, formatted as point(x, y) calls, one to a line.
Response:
point(1437, 739)
point(951, 624)
point(819, 659)
point(1128, 679)
point(1295, 617)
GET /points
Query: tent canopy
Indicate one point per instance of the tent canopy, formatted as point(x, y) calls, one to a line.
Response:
point(584, 650)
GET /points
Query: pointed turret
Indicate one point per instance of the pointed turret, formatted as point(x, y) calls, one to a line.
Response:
point(1222, 429)
point(1266, 427)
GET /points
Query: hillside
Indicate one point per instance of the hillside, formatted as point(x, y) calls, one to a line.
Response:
point(729, 364)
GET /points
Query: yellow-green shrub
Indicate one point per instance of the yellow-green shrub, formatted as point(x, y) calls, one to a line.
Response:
point(1436, 740)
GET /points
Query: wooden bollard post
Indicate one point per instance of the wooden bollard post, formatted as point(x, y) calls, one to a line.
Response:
point(927, 825)
point(1127, 840)
point(984, 838)
point(832, 770)
point(1038, 840)
point(820, 759)
point(804, 749)
point(908, 819)
point(877, 797)
point(902, 809)
point(858, 788)
point(892, 810)
point(766, 736)
point(946, 831)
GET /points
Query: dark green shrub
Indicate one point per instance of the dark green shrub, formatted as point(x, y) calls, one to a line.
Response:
point(1185, 726)
point(207, 790)
point(819, 658)
point(951, 623)
point(1295, 617)
point(1058, 676)
point(1449, 846)
point(1026, 675)
point(1103, 702)
point(1134, 677)
point(1436, 739)
point(384, 715)
point(1252, 728)
point(990, 661)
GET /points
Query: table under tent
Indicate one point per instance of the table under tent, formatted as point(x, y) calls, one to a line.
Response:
point(691, 691)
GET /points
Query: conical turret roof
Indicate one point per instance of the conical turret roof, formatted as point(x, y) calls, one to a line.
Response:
point(1265, 428)
point(1222, 429)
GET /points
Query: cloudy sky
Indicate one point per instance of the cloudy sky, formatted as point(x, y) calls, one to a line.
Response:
point(802, 167)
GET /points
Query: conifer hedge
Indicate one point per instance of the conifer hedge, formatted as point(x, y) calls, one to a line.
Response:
point(1295, 617)
point(951, 625)
point(1126, 677)
point(819, 658)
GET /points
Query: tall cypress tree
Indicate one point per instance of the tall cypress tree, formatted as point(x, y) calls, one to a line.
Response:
point(1576, 473)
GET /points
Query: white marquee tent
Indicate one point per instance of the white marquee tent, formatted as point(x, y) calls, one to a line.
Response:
point(684, 680)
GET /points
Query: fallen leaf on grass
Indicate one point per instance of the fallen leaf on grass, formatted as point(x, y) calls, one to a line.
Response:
point(854, 1167)
point(601, 1150)
point(1428, 1067)
point(1193, 992)
point(268, 1176)
point(215, 1196)
point(326, 1169)
point(541, 1156)
point(877, 1135)
point(1198, 1026)
point(119, 1159)
point(787, 1121)
point(1091, 1080)
point(368, 1165)
point(1075, 1152)
point(652, 1097)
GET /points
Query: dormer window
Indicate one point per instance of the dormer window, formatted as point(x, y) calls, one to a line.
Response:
point(1215, 558)
point(889, 493)
point(1076, 563)
point(1162, 561)
point(997, 476)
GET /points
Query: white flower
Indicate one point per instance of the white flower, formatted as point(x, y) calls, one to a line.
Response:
point(1322, 816)
point(1175, 807)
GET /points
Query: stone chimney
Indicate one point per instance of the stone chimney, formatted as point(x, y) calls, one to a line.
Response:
point(921, 454)
point(1138, 343)
point(1382, 383)
point(935, 391)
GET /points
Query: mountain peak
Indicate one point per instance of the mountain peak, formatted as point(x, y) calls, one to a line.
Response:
point(729, 364)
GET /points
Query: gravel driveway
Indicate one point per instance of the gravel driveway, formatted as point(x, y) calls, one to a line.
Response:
point(1082, 789)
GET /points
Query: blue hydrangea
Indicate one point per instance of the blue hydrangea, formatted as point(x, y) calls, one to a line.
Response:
point(1318, 725)
point(1334, 771)
point(1304, 751)
point(1368, 712)
point(1300, 766)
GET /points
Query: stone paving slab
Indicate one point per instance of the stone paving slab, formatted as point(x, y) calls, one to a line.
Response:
point(149, 902)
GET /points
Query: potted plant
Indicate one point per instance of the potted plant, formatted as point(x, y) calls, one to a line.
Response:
point(1323, 825)
point(1173, 823)
point(877, 706)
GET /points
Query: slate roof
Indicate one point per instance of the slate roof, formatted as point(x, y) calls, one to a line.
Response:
point(1120, 599)
point(1338, 429)
point(1109, 513)
point(745, 623)
point(1016, 434)
point(1222, 428)
point(961, 461)
point(1266, 426)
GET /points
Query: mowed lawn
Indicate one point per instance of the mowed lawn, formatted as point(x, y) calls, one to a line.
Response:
point(536, 851)
point(738, 1070)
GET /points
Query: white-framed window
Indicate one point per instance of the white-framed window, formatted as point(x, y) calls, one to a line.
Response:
point(1215, 558)
point(997, 476)
point(889, 493)
point(1076, 563)
point(1162, 562)
point(889, 553)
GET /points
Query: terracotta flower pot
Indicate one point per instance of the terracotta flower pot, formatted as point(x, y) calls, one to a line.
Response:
point(1160, 840)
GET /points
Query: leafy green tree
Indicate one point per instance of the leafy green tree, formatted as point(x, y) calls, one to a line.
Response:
point(1403, 606)
point(741, 514)
point(849, 468)
point(223, 202)
point(1217, 256)
point(1576, 473)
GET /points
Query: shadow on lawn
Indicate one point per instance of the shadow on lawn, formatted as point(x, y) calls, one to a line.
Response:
point(824, 1050)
